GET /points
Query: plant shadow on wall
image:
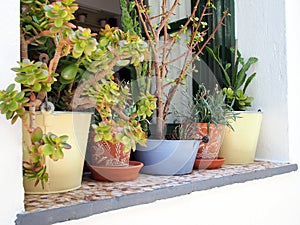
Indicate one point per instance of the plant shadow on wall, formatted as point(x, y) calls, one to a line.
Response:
point(169, 157)
point(74, 72)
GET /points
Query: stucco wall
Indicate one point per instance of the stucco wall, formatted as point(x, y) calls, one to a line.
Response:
point(11, 193)
point(260, 29)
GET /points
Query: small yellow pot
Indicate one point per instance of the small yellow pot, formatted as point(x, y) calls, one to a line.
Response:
point(239, 146)
point(64, 174)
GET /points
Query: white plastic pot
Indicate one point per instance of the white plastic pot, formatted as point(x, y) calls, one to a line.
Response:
point(239, 146)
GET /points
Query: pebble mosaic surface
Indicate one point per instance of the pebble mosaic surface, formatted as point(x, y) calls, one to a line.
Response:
point(95, 190)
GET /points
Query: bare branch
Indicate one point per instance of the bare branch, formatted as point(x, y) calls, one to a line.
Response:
point(168, 14)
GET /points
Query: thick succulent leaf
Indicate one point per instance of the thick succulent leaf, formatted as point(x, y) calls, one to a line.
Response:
point(36, 135)
point(64, 138)
point(10, 88)
point(241, 76)
point(248, 81)
point(13, 106)
point(47, 149)
point(226, 78)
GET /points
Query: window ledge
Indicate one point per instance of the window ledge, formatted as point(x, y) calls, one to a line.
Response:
point(96, 197)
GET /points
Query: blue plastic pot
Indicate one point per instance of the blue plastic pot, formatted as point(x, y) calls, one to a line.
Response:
point(167, 157)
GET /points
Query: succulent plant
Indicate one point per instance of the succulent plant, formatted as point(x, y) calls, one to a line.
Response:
point(210, 107)
point(68, 66)
point(235, 78)
point(12, 103)
point(43, 145)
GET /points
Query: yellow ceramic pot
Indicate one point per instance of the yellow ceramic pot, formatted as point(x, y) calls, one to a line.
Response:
point(64, 174)
point(239, 146)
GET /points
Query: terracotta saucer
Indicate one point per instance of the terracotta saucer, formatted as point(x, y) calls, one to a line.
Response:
point(209, 163)
point(118, 173)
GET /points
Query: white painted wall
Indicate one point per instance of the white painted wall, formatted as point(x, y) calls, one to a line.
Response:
point(260, 29)
point(293, 47)
point(272, 201)
point(11, 193)
point(180, 12)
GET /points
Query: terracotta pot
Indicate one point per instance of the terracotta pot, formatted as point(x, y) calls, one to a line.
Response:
point(105, 153)
point(209, 163)
point(119, 173)
point(215, 133)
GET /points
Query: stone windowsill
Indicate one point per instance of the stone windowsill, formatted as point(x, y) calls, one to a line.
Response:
point(96, 197)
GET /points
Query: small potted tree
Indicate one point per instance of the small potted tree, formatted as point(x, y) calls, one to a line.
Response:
point(239, 146)
point(164, 45)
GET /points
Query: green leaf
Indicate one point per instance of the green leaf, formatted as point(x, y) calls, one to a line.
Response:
point(47, 149)
point(241, 76)
point(103, 42)
point(63, 13)
point(59, 22)
point(59, 154)
point(10, 88)
point(64, 138)
point(35, 158)
point(36, 135)
point(97, 138)
point(13, 106)
point(9, 114)
point(19, 96)
point(14, 119)
point(36, 87)
point(215, 55)
point(248, 81)
point(69, 72)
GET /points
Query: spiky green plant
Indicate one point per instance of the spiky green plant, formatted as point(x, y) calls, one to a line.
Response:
point(235, 78)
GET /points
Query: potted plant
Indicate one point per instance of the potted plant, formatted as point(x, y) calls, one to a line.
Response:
point(239, 146)
point(45, 41)
point(119, 125)
point(164, 45)
point(212, 115)
point(72, 66)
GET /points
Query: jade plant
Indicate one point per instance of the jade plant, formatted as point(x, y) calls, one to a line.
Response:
point(235, 78)
point(121, 114)
point(68, 66)
point(162, 41)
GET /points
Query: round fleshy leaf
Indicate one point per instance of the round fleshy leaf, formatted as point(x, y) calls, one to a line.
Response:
point(36, 135)
point(47, 149)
